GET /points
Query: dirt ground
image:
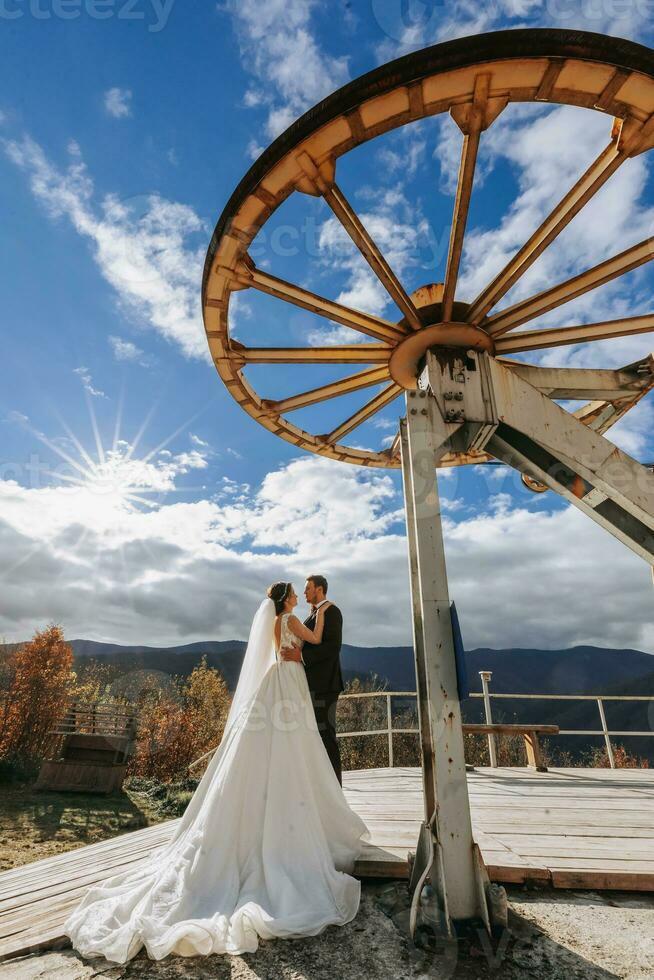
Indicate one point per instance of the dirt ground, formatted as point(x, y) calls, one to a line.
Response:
point(552, 936)
point(38, 825)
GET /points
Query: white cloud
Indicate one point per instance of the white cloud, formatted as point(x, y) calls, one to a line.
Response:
point(633, 433)
point(172, 572)
point(118, 102)
point(492, 472)
point(379, 422)
point(279, 48)
point(253, 98)
point(402, 154)
point(193, 460)
point(418, 24)
point(18, 417)
point(254, 149)
point(537, 590)
point(142, 246)
point(124, 350)
point(86, 379)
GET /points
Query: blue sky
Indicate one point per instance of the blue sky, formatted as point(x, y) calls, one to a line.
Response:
point(138, 503)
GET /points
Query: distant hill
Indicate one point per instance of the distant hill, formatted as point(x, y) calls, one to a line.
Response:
point(578, 670)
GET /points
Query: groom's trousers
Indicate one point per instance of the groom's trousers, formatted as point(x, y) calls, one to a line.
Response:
point(324, 706)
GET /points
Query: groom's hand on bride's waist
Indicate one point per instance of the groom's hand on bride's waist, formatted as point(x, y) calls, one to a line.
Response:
point(291, 653)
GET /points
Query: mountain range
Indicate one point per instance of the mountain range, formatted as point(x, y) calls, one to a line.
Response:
point(578, 670)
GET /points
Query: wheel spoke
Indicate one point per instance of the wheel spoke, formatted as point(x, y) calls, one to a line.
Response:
point(460, 216)
point(371, 253)
point(354, 354)
point(353, 225)
point(373, 326)
point(376, 404)
point(549, 299)
point(589, 183)
point(471, 119)
point(364, 379)
point(562, 336)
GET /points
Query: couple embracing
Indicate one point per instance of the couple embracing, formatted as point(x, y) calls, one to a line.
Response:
point(268, 842)
point(323, 632)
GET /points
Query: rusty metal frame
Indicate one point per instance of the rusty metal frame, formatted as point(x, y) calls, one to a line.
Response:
point(473, 79)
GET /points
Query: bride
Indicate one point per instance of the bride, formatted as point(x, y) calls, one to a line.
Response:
point(266, 846)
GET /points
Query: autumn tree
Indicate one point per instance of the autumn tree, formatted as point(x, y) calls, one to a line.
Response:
point(40, 681)
point(163, 743)
point(207, 700)
point(179, 722)
point(93, 681)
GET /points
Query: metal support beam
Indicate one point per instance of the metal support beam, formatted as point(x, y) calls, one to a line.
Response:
point(563, 476)
point(586, 384)
point(454, 872)
point(528, 431)
point(428, 774)
point(468, 400)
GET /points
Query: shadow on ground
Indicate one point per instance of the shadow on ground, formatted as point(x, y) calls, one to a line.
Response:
point(552, 936)
point(35, 825)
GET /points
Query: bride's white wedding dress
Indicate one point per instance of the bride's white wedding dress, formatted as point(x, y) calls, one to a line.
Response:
point(265, 847)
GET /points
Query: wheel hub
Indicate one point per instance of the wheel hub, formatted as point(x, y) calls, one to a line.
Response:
point(405, 361)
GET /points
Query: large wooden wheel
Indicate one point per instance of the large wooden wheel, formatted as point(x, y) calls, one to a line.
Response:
point(473, 79)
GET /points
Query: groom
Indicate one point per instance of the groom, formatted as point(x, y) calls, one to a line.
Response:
point(323, 667)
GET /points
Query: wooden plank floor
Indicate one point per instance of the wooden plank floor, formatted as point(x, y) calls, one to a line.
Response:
point(570, 828)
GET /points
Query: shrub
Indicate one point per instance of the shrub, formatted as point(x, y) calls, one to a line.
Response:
point(597, 757)
point(40, 681)
point(178, 722)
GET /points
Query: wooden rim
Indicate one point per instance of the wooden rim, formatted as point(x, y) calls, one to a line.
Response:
point(474, 79)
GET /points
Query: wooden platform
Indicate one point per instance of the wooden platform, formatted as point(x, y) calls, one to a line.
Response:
point(569, 828)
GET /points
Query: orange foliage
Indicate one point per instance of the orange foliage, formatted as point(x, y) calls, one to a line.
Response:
point(40, 680)
point(598, 758)
point(207, 701)
point(163, 746)
point(178, 726)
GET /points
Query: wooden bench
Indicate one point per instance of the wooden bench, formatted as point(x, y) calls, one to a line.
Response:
point(91, 746)
point(530, 734)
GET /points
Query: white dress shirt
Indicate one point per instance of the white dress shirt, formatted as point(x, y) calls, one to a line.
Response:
point(316, 607)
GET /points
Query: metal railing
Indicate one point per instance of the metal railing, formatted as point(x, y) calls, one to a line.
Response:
point(486, 695)
point(598, 699)
point(389, 731)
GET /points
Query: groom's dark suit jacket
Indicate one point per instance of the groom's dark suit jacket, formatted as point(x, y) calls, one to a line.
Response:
point(322, 660)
